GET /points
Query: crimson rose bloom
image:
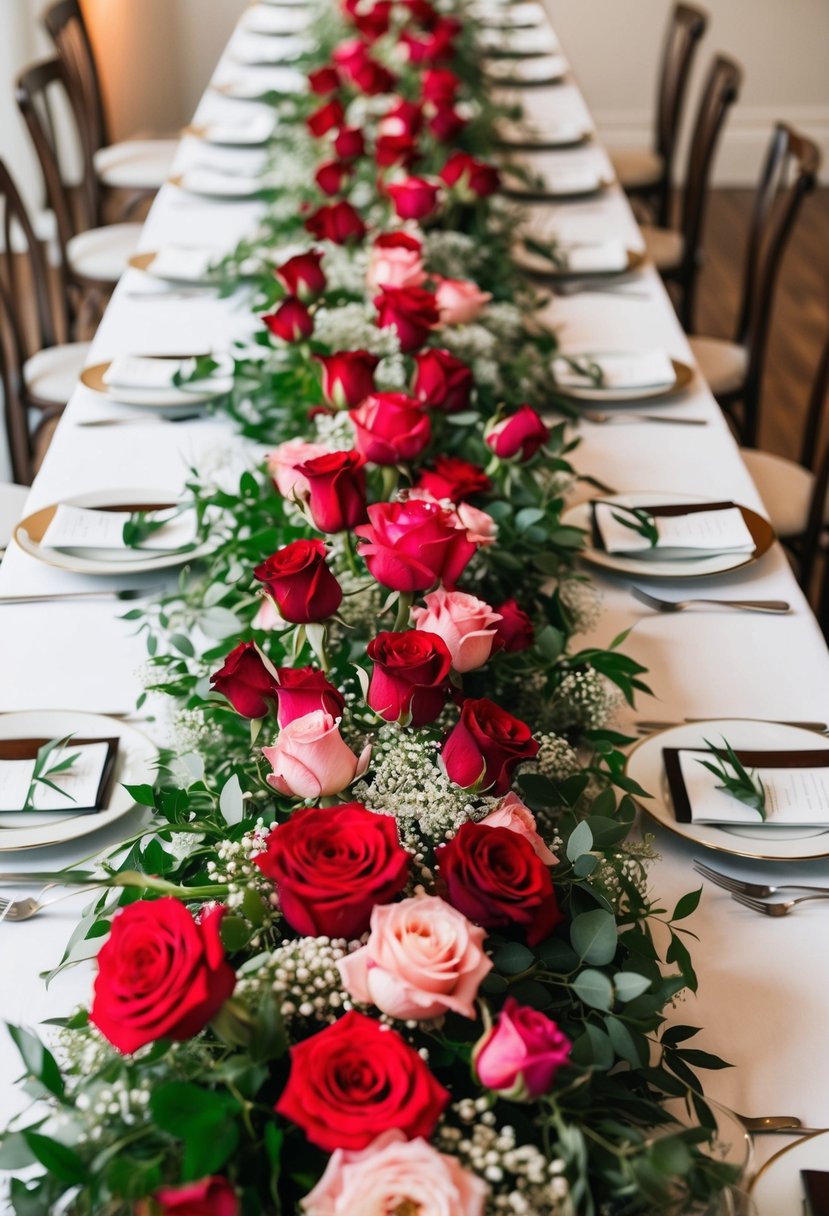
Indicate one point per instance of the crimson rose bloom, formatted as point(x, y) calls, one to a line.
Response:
point(300, 583)
point(442, 381)
point(414, 198)
point(331, 175)
point(372, 78)
point(208, 1197)
point(470, 176)
point(337, 222)
point(331, 865)
point(373, 20)
point(434, 47)
point(403, 118)
point(324, 80)
point(409, 677)
point(395, 150)
point(495, 877)
point(302, 690)
point(291, 322)
point(410, 546)
point(329, 115)
point(486, 745)
point(356, 1079)
point(390, 428)
point(348, 377)
point(439, 85)
point(246, 682)
point(446, 123)
point(161, 974)
point(337, 482)
point(453, 478)
point(520, 435)
point(410, 311)
point(515, 631)
point(349, 143)
point(302, 275)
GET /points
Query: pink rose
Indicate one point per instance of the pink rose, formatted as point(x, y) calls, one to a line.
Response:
point(459, 301)
point(511, 813)
point(395, 1175)
point(422, 959)
point(267, 616)
point(282, 462)
point(466, 624)
point(310, 758)
point(518, 436)
point(480, 527)
point(395, 260)
point(520, 1055)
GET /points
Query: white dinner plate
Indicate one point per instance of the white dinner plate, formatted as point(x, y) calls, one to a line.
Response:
point(134, 765)
point(517, 72)
point(533, 263)
point(222, 187)
point(275, 23)
point(523, 15)
point(646, 765)
point(581, 516)
point(236, 135)
point(145, 262)
point(253, 50)
point(174, 397)
point(683, 375)
point(520, 43)
point(254, 86)
point(547, 188)
point(777, 1189)
point(30, 531)
point(523, 134)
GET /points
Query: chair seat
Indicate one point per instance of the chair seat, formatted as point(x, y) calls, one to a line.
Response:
point(103, 253)
point(664, 246)
point(723, 364)
point(637, 168)
point(51, 374)
point(136, 164)
point(785, 488)
point(12, 501)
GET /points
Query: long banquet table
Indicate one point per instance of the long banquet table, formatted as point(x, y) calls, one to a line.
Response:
point(763, 984)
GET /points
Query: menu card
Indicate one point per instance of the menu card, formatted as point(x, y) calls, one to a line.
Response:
point(618, 371)
point(83, 787)
point(183, 264)
point(683, 531)
point(87, 528)
point(796, 785)
point(816, 1186)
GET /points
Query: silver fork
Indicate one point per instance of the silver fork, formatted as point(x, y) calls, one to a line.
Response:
point(758, 890)
point(579, 289)
point(142, 420)
point(781, 908)
point(133, 593)
point(25, 909)
point(599, 419)
point(652, 601)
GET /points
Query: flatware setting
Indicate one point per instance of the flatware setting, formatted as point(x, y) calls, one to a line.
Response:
point(756, 890)
point(660, 605)
point(648, 726)
point(129, 593)
point(600, 419)
point(140, 420)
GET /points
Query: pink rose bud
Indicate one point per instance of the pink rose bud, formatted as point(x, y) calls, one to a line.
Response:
point(460, 301)
point(396, 260)
point(511, 813)
point(282, 466)
point(520, 1055)
point(311, 760)
point(466, 624)
point(519, 436)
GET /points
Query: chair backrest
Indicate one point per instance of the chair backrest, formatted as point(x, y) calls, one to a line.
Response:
point(11, 379)
point(65, 24)
point(24, 273)
point(685, 29)
point(815, 420)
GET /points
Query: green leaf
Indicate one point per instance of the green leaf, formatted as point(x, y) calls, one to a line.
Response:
point(39, 1061)
point(630, 1046)
point(629, 985)
point(678, 953)
point(584, 866)
point(687, 904)
point(144, 795)
point(594, 988)
point(513, 958)
point(550, 642)
point(58, 1159)
point(15, 1153)
point(593, 1049)
point(581, 841)
point(593, 935)
point(671, 1156)
point(182, 644)
point(234, 932)
point(181, 1108)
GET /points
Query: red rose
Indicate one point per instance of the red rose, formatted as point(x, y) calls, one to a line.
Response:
point(371, 20)
point(514, 632)
point(410, 546)
point(324, 80)
point(414, 198)
point(337, 482)
point(357, 1079)
point(246, 682)
point(208, 1197)
point(410, 674)
point(337, 222)
point(161, 974)
point(521, 435)
point(324, 119)
point(372, 78)
point(421, 12)
point(434, 47)
point(349, 143)
point(395, 150)
point(390, 428)
point(446, 123)
point(485, 746)
point(348, 377)
point(454, 478)
point(300, 583)
point(495, 877)
point(442, 381)
point(439, 85)
point(331, 176)
point(291, 322)
point(331, 865)
point(470, 176)
point(349, 53)
point(302, 275)
point(411, 311)
point(403, 118)
point(302, 690)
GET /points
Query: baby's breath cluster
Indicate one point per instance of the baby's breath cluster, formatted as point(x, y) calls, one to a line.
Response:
point(303, 976)
point(583, 600)
point(454, 255)
point(584, 699)
point(353, 327)
point(235, 866)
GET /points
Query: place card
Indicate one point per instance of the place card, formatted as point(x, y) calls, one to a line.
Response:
point(796, 785)
point(143, 371)
point(692, 530)
point(594, 258)
point(816, 1188)
point(85, 528)
point(82, 788)
point(648, 369)
point(182, 264)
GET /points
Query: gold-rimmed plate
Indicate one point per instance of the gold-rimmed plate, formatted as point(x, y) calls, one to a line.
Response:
point(777, 1188)
point(533, 263)
point(581, 516)
point(528, 138)
point(521, 15)
point(518, 43)
point(259, 83)
point(515, 187)
point(174, 397)
point(646, 765)
point(683, 376)
point(145, 262)
point(224, 188)
point(222, 135)
point(529, 72)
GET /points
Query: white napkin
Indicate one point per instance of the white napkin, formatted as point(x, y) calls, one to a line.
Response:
point(140, 371)
point(609, 255)
point(85, 528)
point(263, 20)
point(522, 13)
point(696, 534)
point(80, 783)
point(258, 129)
point(223, 185)
point(619, 371)
point(572, 179)
point(182, 264)
point(256, 84)
point(531, 70)
point(795, 797)
point(253, 50)
point(519, 42)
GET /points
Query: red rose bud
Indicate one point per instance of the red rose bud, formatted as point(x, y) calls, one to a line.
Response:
point(518, 436)
point(246, 682)
point(454, 478)
point(291, 322)
point(485, 746)
point(446, 123)
point(331, 865)
point(409, 680)
point(470, 177)
point(337, 222)
point(324, 81)
point(515, 631)
point(300, 583)
point(331, 176)
point(303, 690)
point(329, 115)
point(337, 483)
point(520, 1055)
point(390, 428)
point(356, 1080)
point(439, 85)
point(403, 118)
point(434, 47)
point(414, 198)
point(495, 878)
point(373, 79)
point(208, 1197)
point(348, 377)
point(349, 143)
point(373, 20)
point(410, 311)
point(442, 381)
point(410, 546)
point(161, 974)
point(392, 150)
point(302, 275)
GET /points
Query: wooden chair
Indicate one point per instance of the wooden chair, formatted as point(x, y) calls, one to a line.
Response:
point(647, 172)
point(92, 258)
point(138, 166)
point(39, 373)
point(677, 253)
point(734, 369)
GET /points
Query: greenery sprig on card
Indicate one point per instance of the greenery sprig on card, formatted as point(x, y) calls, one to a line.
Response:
point(50, 762)
point(638, 520)
point(735, 779)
